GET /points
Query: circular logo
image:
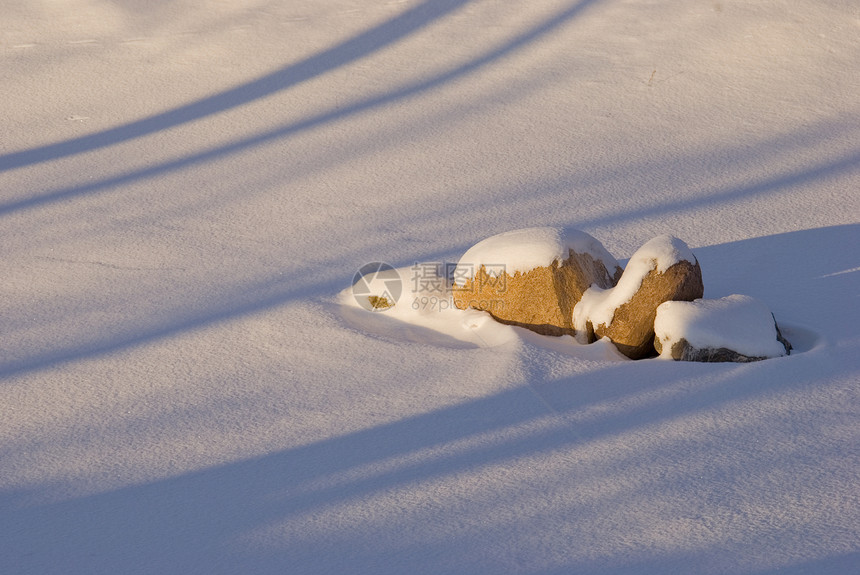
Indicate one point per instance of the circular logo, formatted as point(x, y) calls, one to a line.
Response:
point(376, 286)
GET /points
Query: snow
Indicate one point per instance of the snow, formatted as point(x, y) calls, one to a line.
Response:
point(526, 249)
point(187, 188)
point(421, 309)
point(598, 305)
point(736, 322)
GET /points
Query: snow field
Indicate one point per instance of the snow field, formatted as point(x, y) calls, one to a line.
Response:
point(186, 188)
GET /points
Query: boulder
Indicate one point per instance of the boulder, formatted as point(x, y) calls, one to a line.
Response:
point(736, 328)
point(533, 278)
point(662, 270)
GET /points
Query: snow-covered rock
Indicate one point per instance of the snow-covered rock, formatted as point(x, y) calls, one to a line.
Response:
point(663, 269)
point(736, 328)
point(533, 277)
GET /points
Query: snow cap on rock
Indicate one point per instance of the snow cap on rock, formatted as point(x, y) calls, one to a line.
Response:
point(526, 249)
point(736, 323)
point(598, 306)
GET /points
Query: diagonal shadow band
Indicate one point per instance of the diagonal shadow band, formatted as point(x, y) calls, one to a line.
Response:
point(350, 50)
point(195, 111)
point(223, 503)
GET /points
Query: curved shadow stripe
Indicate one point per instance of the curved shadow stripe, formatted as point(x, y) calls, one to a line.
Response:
point(340, 55)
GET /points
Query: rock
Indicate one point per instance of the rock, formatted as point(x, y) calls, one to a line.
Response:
point(664, 269)
point(780, 338)
point(533, 278)
point(632, 326)
point(736, 328)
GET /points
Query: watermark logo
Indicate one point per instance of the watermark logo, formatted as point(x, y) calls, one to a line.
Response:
point(376, 286)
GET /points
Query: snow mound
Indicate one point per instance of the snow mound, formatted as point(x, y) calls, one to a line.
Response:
point(599, 305)
point(415, 304)
point(738, 323)
point(526, 249)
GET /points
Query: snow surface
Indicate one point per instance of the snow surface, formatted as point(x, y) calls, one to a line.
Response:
point(736, 322)
point(186, 187)
point(422, 306)
point(527, 249)
point(598, 305)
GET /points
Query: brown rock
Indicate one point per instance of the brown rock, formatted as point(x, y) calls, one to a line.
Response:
point(736, 328)
point(541, 299)
point(630, 323)
point(682, 350)
point(632, 327)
